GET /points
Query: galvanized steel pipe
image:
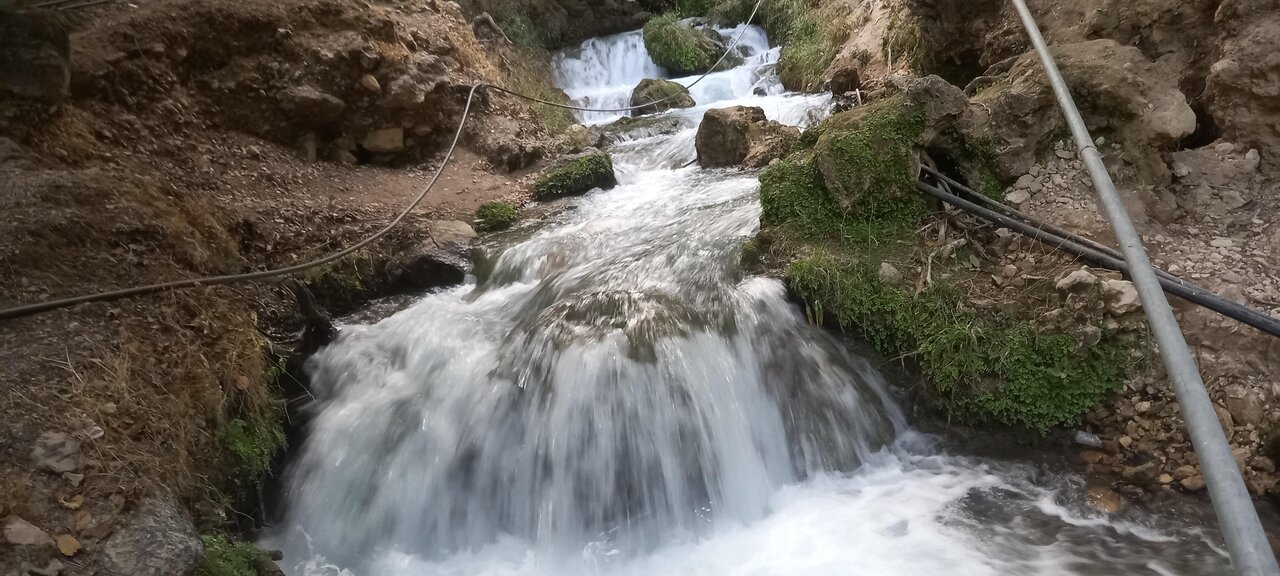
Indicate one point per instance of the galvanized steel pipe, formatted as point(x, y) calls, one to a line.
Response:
point(1246, 541)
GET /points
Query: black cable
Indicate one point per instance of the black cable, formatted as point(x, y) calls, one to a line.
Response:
point(29, 309)
point(1188, 292)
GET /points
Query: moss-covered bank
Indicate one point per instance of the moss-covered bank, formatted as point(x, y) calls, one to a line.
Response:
point(834, 213)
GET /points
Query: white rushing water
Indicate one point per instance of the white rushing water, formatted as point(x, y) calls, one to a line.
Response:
point(615, 397)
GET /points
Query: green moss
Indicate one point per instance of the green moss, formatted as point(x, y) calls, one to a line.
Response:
point(661, 94)
point(981, 367)
point(225, 557)
point(691, 8)
point(792, 194)
point(340, 277)
point(680, 48)
point(493, 216)
point(576, 176)
point(976, 160)
point(867, 156)
point(253, 437)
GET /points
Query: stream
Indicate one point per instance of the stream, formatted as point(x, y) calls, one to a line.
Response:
point(616, 397)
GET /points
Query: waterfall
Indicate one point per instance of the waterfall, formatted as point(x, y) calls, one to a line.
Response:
point(614, 395)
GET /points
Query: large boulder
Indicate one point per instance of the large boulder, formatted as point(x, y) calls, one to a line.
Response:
point(742, 135)
point(1242, 91)
point(653, 96)
point(37, 57)
point(310, 106)
point(1123, 97)
point(684, 50)
point(157, 539)
point(873, 150)
point(442, 260)
point(576, 175)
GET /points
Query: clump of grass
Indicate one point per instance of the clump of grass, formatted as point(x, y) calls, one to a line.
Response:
point(902, 42)
point(981, 368)
point(576, 176)
point(494, 216)
point(528, 68)
point(226, 557)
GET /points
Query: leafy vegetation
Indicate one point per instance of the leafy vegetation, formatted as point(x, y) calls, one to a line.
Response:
point(256, 434)
point(494, 216)
point(528, 69)
point(983, 368)
point(576, 176)
point(902, 42)
point(225, 557)
point(680, 48)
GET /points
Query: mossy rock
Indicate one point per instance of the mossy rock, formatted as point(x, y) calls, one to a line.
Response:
point(494, 216)
point(576, 175)
point(684, 50)
point(981, 368)
point(869, 153)
point(653, 96)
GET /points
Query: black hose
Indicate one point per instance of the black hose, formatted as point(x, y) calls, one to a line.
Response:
point(1188, 292)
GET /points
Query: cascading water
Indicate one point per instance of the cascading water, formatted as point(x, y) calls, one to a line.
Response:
point(615, 397)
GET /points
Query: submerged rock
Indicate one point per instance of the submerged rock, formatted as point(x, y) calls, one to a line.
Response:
point(576, 175)
point(742, 135)
point(659, 96)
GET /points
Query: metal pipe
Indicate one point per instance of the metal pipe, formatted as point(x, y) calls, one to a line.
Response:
point(1246, 541)
point(1114, 260)
point(1189, 292)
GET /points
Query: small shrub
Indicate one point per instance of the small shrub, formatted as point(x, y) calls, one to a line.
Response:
point(494, 216)
point(225, 557)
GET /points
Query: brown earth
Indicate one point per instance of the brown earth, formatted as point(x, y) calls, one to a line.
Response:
point(183, 138)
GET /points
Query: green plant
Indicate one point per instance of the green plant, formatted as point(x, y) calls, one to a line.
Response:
point(528, 72)
point(576, 176)
point(226, 557)
point(980, 367)
point(254, 436)
point(493, 216)
point(521, 30)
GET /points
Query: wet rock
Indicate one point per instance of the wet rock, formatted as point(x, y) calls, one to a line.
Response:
point(742, 135)
point(19, 532)
point(632, 128)
point(309, 106)
point(56, 452)
point(1076, 281)
point(682, 49)
point(157, 539)
point(1106, 500)
point(37, 57)
point(442, 260)
point(384, 141)
point(653, 96)
point(576, 175)
point(1121, 296)
point(1146, 472)
point(422, 74)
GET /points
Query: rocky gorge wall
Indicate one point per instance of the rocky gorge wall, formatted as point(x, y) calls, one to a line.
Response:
point(1187, 129)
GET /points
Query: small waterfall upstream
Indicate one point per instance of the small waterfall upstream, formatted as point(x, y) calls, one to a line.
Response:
point(616, 397)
